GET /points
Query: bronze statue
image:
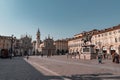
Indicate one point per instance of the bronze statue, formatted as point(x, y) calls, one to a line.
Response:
point(87, 37)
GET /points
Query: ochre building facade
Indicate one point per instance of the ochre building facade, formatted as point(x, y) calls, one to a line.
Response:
point(61, 46)
point(107, 39)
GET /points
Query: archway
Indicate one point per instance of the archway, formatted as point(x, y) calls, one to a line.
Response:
point(112, 49)
point(96, 49)
point(104, 50)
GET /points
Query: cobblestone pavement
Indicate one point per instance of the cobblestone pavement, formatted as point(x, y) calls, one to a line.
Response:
point(75, 69)
point(18, 69)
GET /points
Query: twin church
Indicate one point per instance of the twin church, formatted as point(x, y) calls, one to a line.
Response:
point(45, 47)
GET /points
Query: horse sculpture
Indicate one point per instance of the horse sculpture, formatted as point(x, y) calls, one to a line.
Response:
point(87, 37)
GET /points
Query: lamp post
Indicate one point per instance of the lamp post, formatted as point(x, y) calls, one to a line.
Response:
point(11, 53)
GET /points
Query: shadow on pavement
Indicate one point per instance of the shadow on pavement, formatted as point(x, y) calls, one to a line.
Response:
point(18, 69)
point(99, 76)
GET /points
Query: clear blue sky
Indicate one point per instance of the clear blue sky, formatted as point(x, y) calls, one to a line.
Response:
point(59, 18)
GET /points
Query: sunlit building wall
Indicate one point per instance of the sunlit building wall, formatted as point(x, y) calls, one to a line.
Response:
point(107, 39)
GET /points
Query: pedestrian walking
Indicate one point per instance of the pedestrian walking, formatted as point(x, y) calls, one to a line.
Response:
point(116, 58)
point(100, 58)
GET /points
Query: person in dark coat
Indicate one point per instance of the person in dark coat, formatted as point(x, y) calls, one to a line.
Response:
point(100, 58)
point(116, 57)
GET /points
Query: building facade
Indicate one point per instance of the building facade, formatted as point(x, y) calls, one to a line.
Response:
point(45, 47)
point(61, 46)
point(5, 42)
point(23, 46)
point(74, 45)
point(48, 47)
point(108, 40)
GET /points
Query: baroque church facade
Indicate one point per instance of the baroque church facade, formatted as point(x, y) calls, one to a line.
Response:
point(23, 46)
point(45, 47)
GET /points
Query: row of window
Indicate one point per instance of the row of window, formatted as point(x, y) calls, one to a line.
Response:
point(97, 43)
point(117, 39)
point(107, 33)
point(75, 45)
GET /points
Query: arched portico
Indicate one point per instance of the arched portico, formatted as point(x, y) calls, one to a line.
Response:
point(104, 48)
point(104, 51)
point(96, 48)
point(112, 49)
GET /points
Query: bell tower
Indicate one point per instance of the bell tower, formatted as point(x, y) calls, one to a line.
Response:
point(38, 35)
point(38, 39)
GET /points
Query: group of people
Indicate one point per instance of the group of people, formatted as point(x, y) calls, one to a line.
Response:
point(115, 57)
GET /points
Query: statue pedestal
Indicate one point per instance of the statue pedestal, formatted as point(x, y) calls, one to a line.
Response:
point(88, 52)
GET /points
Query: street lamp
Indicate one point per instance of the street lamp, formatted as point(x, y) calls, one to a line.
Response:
point(11, 53)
